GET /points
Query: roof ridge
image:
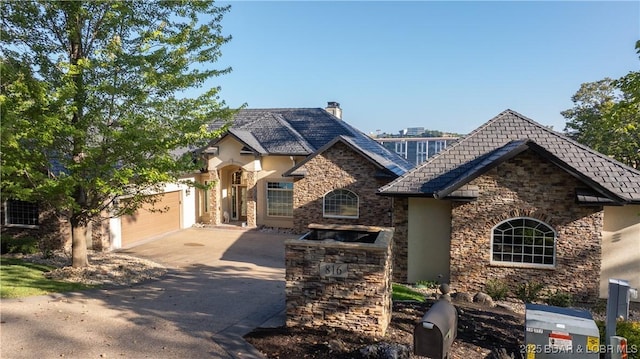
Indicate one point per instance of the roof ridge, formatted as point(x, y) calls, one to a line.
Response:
point(281, 108)
point(307, 146)
point(573, 142)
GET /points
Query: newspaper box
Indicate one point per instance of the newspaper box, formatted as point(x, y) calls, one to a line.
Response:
point(559, 333)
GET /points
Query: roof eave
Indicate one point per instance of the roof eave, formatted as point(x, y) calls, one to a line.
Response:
point(614, 197)
point(458, 183)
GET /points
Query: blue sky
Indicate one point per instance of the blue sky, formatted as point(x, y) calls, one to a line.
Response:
point(447, 66)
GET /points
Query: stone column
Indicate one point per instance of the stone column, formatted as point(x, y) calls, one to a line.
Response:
point(252, 194)
point(214, 200)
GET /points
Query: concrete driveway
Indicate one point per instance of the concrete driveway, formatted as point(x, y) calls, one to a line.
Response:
point(222, 283)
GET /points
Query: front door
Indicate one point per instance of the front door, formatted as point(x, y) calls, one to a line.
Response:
point(239, 202)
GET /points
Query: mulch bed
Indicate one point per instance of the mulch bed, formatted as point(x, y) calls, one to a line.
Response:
point(481, 331)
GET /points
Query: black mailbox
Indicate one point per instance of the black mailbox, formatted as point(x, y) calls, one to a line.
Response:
point(434, 334)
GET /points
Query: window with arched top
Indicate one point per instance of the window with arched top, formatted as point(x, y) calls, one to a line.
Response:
point(340, 203)
point(525, 242)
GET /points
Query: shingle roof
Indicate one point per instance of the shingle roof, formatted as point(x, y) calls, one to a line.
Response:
point(506, 135)
point(367, 148)
point(303, 131)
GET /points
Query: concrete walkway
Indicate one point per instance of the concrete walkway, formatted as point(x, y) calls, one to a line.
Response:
point(221, 285)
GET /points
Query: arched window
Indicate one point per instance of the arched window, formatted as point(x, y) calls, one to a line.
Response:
point(523, 242)
point(341, 203)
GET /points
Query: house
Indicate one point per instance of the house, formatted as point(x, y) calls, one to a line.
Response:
point(282, 168)
point(286, 168)
point(517, 202)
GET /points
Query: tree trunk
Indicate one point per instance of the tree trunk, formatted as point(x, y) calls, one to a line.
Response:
point(78, 246)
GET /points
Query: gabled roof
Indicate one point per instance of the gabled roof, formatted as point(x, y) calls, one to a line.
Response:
point(304, 131)
point(505, 136)
point(367, 148)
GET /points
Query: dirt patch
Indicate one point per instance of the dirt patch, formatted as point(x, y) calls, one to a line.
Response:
point(481, 330)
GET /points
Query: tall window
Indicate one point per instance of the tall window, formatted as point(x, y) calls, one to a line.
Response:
point(21, 213)
point(401, 148)
point(523, 241)
point(205, 197)
point(280, 199)
point(341, 203)
point(422, 152)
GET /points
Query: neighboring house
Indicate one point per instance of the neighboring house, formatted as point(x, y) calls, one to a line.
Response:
point(176, 201)
point(416, 149)
point(287, 168)
point(517, 202)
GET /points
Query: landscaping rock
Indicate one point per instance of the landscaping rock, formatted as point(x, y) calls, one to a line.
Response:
point(484, 298)
point(463, 297)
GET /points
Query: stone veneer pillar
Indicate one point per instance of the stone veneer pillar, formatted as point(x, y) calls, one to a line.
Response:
point(252, 181)
point(400, 239)
point(343, 285)
point(214, 200)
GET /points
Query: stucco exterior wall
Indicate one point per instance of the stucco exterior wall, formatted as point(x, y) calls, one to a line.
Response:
point(527, 186)
point(621, 247)
point(257, 172)
point(430, 234)
point(339, 167)
point(272, 169)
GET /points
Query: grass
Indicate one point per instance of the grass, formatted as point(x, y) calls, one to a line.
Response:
point(401, 292)
point(23, 279)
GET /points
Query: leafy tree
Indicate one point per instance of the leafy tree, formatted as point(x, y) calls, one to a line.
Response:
point(606, 117)
point(94, 101)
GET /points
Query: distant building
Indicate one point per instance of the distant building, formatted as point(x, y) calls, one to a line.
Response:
point(416, 149)
point(412, 131)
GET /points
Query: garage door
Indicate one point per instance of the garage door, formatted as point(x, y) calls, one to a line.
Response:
point(144, 223)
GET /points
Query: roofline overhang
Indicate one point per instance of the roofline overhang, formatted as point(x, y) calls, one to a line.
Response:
point(452, 187)
point(245, 145)
point(528, 144)
point(290, 172)
point(615, 200)
point(577, 174)
point(405, 194)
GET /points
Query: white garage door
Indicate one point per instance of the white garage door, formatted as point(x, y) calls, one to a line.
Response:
point(144, 223)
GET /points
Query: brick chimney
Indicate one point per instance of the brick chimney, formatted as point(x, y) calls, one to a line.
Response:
point(334, 109)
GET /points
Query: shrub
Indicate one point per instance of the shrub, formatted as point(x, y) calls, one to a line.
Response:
point(560, 299)
point(497, 289)
point(529, 292)
point(626, 329)
point(23, 245)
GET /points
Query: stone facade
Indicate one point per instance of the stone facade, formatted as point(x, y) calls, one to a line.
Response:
point(52, 232)
point(214, 216)
point(357, 299)
point(252, 195)
point(340, 167)
point(400, 239)
point(527, 186)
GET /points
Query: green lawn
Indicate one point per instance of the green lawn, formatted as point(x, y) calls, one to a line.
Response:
point(401, 292)
point(23, 279)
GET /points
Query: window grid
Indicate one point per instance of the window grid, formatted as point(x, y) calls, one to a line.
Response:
point(21, 213)
point(422, 152)
point(280, 199)
point(523, 241)
point(401, 148)
point(341, 203)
